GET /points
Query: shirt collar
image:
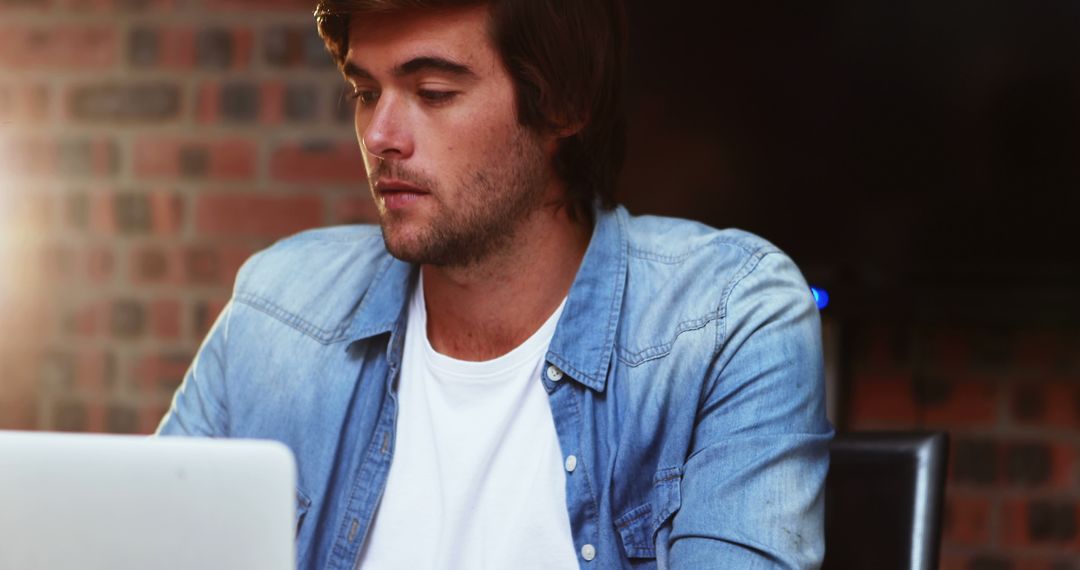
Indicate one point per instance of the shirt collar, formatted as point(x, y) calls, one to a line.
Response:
point(385, 301)
point(584, 339)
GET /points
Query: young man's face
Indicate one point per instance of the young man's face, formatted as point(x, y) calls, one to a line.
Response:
point(451, 171)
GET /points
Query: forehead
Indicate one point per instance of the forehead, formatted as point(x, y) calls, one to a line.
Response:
point(387, 39)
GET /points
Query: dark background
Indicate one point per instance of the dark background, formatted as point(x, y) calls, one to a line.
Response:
point(918, 158)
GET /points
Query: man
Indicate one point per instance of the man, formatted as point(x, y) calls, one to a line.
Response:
point(513, 373)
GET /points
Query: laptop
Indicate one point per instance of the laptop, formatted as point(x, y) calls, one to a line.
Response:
point(96, 502)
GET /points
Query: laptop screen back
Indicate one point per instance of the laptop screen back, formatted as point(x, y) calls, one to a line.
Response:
point(93, 502)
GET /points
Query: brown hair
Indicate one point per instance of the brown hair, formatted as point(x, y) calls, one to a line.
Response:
point(566, 59)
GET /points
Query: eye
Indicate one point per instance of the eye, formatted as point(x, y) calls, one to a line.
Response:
point(436, 97)
point(366, 97)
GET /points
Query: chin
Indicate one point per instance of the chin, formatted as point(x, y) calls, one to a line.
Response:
point(404, 247)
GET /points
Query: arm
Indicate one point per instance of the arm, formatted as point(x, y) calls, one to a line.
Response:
point(198, 407)
point(753, 485)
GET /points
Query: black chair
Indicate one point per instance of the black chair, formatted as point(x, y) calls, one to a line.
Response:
point(883, 500)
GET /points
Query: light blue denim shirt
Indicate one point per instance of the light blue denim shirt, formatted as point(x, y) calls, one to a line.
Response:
point(685, 376)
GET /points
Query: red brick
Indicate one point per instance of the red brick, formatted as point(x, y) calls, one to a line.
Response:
point(231, 258)
point(102, 215)
point(258, 5)
point(967, 520)
point(883, 399)
point(91, 371)
point(24, 103)
point(232, 159)
point(37, 156)
point(95, 417)
point(132, 102)
point(972, 402)
point(18, 414)
point(26, 6)
point(208, 103)
point(154, 157)
point(952, 561)
point(1042, 562)
point(250, 215)
point(243, 46)
point(114, 5)
point(205, 313)
point(1014, 523)
point(87, 320)
point(331, 162)
point(1058, 401)
point(160, 374)
point(68, 47)
point(150, 416)
point(153, 265)
point(104, 156)
point(165, 319)
point(273, 103)
point(176, 48)
point(21, 368)
point(355, 208)
point(202, 265)
point(166, 212)
point(227, 159)
point(1063, 465)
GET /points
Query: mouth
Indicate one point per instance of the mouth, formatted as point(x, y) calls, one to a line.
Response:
point(397, 194)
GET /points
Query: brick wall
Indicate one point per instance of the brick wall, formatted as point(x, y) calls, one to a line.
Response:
point(147, 147)
point(1010, 397)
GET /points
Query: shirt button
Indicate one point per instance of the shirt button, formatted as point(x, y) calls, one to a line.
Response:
point(553, 373)
point(588, 552)
point(571, 463)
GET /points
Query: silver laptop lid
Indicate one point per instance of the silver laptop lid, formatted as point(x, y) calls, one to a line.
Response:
point(77, 501)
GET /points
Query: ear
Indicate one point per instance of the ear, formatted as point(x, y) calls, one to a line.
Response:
point(565, 129)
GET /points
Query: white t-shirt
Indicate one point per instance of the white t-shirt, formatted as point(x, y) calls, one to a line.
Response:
point(477, 477)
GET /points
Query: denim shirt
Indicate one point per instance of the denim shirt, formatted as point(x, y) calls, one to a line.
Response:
point(685, 377)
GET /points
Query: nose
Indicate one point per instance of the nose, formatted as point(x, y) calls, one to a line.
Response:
point(386, 132)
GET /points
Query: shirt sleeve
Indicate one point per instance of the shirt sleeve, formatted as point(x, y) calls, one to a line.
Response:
point(752, 493)
point(198, 407)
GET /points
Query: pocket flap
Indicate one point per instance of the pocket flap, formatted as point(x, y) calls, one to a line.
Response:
point(637, 527)
point(303, 503)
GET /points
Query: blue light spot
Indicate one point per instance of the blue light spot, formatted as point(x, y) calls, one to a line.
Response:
point(821, 297)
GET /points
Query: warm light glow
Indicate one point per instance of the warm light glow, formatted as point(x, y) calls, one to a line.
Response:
point(17, 233)
point(5, 225)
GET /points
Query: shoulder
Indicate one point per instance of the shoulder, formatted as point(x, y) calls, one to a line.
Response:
point(697, 259)
point(684, 276)
point(315, 277)
point(677, 241)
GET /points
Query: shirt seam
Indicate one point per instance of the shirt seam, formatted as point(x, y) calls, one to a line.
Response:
point(291, 319)
point(747, 268)
point(716, 240)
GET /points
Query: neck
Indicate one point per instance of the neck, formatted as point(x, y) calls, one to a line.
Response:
point(484, 310)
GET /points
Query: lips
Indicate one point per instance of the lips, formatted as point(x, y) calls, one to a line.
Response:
point(397, 194)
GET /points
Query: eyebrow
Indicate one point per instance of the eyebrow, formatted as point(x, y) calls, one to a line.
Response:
point(413, 66)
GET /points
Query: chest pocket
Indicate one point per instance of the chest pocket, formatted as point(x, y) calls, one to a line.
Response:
point(637, 527)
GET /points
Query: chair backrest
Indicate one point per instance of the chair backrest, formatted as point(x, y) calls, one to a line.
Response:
point(883, 500)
